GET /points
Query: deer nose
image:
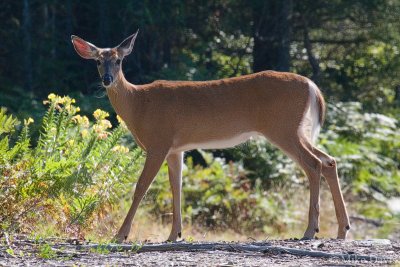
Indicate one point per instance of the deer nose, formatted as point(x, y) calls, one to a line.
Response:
point(107, 79)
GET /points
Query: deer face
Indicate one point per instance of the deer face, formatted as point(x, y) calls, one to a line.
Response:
point(108, 65)
point(108, 60)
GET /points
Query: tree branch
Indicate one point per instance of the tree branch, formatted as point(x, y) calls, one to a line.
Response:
point(253, 247)
point(335, 41)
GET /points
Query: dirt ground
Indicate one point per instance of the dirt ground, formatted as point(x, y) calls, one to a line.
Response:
point(55, 252)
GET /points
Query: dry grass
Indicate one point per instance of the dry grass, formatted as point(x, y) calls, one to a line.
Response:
point(151, 228)
point(147, 227)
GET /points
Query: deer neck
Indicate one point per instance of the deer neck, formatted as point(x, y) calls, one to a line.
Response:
point(122, 98)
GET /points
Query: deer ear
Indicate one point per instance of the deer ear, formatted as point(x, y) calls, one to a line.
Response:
point(125, 48)
point(83, 48)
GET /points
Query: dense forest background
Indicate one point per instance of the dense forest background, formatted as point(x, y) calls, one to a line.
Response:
point(351, 49)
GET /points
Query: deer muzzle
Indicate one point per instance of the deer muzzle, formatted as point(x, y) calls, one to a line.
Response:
point(107, 79)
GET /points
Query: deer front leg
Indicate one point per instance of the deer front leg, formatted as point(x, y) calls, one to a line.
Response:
point(151, 166)
point(175, 162)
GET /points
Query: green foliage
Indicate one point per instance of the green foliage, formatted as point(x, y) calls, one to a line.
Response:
point(70, 169)
point(241, 195)
point(367, 147)
point(10, 252)
point(46, 252)
point(354, 44)
point(76, 170)
point(101, 249)
point(263, 161)
point(7, 122)
point(220, 196)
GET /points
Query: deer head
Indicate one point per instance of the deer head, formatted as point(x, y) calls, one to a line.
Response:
point(108, 59)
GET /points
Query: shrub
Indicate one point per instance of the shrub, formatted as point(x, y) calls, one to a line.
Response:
point(367, 147)
point(220, 196)
point(73, 171)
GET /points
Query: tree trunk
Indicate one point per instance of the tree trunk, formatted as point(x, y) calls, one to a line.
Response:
point(27, 45)
point(272, 32)
point(311, 58)
point(104, 23)
point(69, 17)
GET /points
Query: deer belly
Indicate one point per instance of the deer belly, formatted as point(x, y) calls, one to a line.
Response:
point(217, 143)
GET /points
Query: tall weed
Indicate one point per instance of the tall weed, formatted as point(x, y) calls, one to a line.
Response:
point(74, 171)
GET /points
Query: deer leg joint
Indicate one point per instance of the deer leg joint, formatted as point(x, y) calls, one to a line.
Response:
point(331, 163)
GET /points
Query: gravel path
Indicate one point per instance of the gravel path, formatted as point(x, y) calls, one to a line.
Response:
point(23, 252)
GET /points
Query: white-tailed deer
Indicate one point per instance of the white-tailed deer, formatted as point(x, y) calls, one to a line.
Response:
point(168, 118)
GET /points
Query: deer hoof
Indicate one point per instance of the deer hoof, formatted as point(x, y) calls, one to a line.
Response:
point(175, 237)
point(119, 239)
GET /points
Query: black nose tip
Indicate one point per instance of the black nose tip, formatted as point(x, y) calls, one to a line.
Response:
point(107, 79)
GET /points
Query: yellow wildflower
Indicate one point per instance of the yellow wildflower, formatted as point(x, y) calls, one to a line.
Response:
point(100, 114)
point(97, 128)
point(121, 122)
point(119, 119)
point(28, 121)
point(62, 100)
point(85, 133)
point(85, 121)
point(77, 119)
point(102, 135)
point(120, 149)
point(81, 120)
point(105, 124)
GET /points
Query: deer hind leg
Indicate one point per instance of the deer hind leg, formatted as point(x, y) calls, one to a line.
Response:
point(312, 166)
point(175, 162)
point(299, 149)
point(151, 167)
point(329, 171)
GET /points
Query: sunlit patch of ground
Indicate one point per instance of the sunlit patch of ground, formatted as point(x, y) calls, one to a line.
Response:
point(147, 227)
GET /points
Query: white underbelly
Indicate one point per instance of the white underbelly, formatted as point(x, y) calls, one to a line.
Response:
point(217, 144)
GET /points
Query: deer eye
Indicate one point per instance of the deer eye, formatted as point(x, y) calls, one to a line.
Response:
point(98, 62)
point(118, 61)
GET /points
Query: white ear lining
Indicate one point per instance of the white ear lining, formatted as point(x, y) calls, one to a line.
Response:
point(126, 46)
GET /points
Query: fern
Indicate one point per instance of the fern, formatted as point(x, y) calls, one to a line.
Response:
point(47, 124)
point(7, 122)
point(69, 166)
point(4, 147)
point(110, 143)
